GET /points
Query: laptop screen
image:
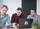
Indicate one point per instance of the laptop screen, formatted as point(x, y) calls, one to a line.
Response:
point(25, 22)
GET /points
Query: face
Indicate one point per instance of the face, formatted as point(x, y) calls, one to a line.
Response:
point(3, 11)
point(32, 12)
point(19, 12)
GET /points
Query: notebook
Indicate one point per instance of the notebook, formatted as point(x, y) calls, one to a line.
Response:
point(25, 23)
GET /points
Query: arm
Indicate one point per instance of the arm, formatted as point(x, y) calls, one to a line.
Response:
point(39, 20)
point(29, 17)
point(12, 19)
point(8, 21)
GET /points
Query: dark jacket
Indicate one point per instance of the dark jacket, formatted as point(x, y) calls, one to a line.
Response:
point(16, 18)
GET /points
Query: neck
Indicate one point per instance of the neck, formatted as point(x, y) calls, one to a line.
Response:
point(2, 14)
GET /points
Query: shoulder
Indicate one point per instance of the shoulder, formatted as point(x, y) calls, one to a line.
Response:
point(29, 16)
point(13, 15)
point(7, 16)
point(38, 16)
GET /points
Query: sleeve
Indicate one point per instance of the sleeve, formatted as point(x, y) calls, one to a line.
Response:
point(8, 21)
point(12, 19)
point(28, 17)
point(38, 20)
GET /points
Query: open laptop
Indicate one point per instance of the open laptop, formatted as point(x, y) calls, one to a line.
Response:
point(25, 23)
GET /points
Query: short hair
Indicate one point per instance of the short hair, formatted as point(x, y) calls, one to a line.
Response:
point(19, 8)
point(34, 10)
point(5, 6)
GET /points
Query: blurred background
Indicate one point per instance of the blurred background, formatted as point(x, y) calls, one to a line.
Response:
point(12, 5)
point(27, 5)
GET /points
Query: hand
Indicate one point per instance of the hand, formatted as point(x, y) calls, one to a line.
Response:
point(17, 25)
point(14, 24)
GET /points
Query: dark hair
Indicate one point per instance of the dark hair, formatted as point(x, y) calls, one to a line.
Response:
point(21, 10)
point(34, 10)
point(5, 6)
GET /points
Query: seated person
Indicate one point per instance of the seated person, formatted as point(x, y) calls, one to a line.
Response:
point(5, 19)
point(33, 15)
point(15, 17)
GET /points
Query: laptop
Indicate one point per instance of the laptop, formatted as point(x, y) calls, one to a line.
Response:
point(25, 23)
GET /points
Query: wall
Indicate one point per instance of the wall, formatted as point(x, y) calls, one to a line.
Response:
point(27, 5)
point(12, 5)
point(38, 7)
point(1, 2)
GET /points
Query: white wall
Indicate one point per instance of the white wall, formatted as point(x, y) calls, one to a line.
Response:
point(12, 5)
point(1, 2)
point(38, 7)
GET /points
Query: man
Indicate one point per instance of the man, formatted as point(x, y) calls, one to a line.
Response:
point(5, 19)
point(33, 15)
point(16, 17)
